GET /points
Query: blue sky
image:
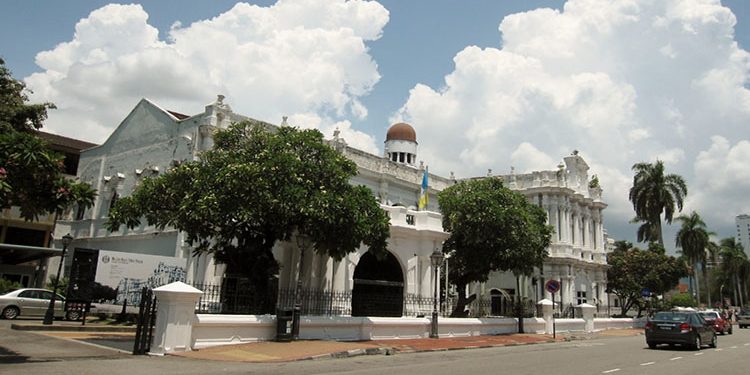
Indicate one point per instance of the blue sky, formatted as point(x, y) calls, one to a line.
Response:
point(622, 82)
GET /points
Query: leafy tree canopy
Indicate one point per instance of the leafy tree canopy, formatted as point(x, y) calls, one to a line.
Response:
point(632, 269)
point(31, 175)
point(491, 228)
point(258, 186)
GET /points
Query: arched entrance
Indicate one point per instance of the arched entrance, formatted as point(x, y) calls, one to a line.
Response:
point(378, 287)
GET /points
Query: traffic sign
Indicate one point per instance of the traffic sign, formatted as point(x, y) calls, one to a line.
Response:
point(552, 286)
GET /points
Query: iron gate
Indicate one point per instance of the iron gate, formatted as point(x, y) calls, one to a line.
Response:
point(144, 331)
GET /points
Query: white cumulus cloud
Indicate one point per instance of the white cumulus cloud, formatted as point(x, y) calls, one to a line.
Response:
point(296, 57)
point(621, 81)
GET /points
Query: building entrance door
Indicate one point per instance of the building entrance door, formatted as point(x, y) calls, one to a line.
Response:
point(378, 287)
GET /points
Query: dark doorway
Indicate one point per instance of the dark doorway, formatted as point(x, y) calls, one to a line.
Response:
point(378, 287)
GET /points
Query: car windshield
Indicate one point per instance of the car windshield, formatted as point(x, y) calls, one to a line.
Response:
point(709, 315)
point(671, 316)
point(745, 312)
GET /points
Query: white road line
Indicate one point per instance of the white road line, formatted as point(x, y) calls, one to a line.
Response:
point(647, 363)
point(612, 370)
point(675, 358)
point(718, 350)
point(698, 354)
point(733, 347)
point(747, 344)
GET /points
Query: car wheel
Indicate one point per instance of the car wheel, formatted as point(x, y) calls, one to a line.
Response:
point(697, 342)
point(73, 315)
point(11, 312)
point(651, 345)
point(714, 341)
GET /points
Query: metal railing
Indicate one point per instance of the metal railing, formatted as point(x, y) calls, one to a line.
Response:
point(239, 297)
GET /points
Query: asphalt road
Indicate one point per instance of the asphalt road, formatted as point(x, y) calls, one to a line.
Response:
point(36, 354)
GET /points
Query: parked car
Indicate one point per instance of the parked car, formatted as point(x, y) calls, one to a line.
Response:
point(743, 318)
point(687, 328)
point(29, 302)
point(718, 320)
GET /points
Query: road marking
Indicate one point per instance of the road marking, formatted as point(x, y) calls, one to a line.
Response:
point(675, 358)
point(647, 363)
point(699, 353)
point(718, 350)
point(747, 344)
point(733, 347)
point(612, 370)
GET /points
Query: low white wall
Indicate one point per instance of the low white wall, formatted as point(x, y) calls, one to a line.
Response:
point(214, 329)
point(569, 325)
point(603, 324)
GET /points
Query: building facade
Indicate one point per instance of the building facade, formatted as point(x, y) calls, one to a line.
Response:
point(743, 231)
point(150, 140)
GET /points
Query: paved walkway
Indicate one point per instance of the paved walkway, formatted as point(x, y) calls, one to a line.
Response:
point(319, 349)
point(313, 349)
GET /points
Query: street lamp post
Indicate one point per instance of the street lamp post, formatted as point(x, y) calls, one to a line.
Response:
point(436, 258)
point(50, 315)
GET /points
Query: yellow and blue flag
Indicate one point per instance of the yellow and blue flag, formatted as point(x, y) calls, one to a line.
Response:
point(424, 198)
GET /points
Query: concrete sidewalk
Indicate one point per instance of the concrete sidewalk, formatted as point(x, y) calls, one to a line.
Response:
point(103, 334)
point(321, 349)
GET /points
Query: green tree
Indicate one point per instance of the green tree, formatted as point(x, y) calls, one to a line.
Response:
point(692, 239)
point(652, 194)
point(256, 187)
point(491, 228)
point(631, 270)
point(735, 268)
point(712, 254)
point(31, 175)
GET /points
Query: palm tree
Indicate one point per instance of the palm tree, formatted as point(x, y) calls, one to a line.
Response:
point(712, 252)
point(735, 266)
point(654, 193)
point(692, 239)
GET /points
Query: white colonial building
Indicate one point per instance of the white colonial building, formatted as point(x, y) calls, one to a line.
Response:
point(150, 140)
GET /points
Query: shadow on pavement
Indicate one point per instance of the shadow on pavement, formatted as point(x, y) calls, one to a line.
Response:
point(9, 356)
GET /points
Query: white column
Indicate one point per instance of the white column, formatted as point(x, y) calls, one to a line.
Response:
point(558, 233)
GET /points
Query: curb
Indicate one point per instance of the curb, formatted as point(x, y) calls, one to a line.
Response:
point(409, 351)
point(351, 353)
point(67, 328)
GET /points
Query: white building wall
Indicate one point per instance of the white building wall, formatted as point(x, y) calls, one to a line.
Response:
point(743, 231)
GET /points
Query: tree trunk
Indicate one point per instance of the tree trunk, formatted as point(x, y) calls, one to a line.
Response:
point(658, 230)
point(461, 301)
point(519, 308)
point(736, 286)
point(708, 285)
point(697, 284)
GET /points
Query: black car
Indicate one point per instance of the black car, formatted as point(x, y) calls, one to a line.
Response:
point(686, 328)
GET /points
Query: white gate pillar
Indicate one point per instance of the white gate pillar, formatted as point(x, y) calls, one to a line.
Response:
point(587, 312)
point(175, 314)
point(547, 311)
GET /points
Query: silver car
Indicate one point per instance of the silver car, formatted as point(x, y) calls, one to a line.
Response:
point(743, 318)
point(29, 302)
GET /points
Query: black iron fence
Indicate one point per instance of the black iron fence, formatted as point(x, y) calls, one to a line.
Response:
point(146, 320)
point(239, 297)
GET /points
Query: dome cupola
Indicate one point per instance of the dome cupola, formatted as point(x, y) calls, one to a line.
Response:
point(401, 144)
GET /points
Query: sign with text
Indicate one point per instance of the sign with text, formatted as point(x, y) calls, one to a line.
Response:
point(128, 273)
